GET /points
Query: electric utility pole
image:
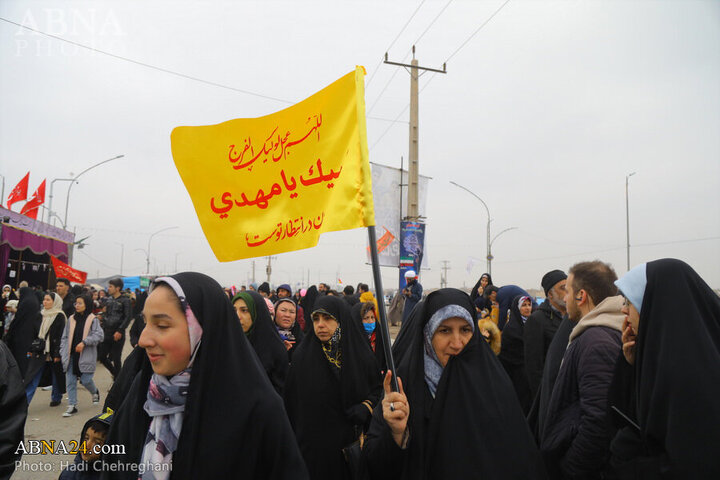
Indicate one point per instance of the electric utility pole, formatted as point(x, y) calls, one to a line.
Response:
point(268, 269)
point(414, 168)
point(443, 279)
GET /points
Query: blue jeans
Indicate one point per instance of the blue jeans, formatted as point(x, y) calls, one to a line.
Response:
point(71, 380)
point(56, 395)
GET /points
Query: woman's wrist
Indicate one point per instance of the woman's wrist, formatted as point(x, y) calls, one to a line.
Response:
point(401, 439)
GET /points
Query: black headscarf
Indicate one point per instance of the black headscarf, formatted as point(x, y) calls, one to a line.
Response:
point(267, 343)
point(355, 313)
point(505, 296)
point(307, 303)
point(474, 425)
point(24, 327)
point(235, 424)
point(324, 409)
point(512, 354)
point(677, 370)
point(403, 339)
point(477, 299)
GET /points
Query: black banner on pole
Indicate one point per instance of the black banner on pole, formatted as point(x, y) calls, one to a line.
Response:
point(380, 295)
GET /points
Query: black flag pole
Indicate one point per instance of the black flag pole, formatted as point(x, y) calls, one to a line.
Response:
point(384, 330)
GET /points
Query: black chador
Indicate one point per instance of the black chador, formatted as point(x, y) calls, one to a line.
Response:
point(472, 428)
point(325, 390)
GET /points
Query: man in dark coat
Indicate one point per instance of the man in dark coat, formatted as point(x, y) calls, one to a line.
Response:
point(349, 295)
point(118, 314)
point(540, 328)
point(538, 410)
point(575, 439)
point(62, 288)
point(412, 293)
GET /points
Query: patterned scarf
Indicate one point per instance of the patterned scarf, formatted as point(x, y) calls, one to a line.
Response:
point(431, 362)
point(166, 401)
point(331, 349)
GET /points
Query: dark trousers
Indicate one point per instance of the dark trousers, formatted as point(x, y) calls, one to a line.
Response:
point(109, 352)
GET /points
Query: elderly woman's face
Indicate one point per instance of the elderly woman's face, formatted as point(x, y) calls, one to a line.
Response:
point(526, 308)
point(450, 338)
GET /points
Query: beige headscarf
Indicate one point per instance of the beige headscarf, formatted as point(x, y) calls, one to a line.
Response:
point(48, 316)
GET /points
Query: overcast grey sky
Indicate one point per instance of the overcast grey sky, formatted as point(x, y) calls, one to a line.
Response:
point(541, 114)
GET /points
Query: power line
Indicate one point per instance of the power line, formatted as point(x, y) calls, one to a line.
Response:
point(165, 70)
point(408, 53)
point(672, 242)
point(400, 114)
point(395, 40)
point(446, 61)
point(104, 264)
point(433, 22)
point(675, 241)
point(147, 65)
point(476, 31)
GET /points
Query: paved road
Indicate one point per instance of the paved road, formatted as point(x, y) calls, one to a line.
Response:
point(47, 423)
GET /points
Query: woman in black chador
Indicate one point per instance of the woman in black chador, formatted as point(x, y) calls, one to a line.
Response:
point(478, 294)
point(456, 415)
point(200, 403)
point(665, 394)
point(24, 328)
point(333, 384)
point(259, 328)
point(367, 319)
point(512, 350)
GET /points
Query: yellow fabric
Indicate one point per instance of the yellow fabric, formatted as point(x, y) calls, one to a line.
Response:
point(495, 314)
point(273, 184)
point(369, 297)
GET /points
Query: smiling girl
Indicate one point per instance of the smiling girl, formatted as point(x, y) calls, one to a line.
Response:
point(200, 405)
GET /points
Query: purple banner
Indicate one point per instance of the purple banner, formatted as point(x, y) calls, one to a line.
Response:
point(20, 232)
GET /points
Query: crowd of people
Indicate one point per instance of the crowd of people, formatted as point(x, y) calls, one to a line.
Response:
point(604, 378)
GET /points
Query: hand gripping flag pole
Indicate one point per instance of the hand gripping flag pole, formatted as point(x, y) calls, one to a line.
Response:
point(384, 330)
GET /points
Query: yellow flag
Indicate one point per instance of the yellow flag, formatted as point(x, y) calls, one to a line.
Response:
point(273, 184)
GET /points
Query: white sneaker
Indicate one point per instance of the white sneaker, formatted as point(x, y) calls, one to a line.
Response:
point(49, 387)
point(71, 410)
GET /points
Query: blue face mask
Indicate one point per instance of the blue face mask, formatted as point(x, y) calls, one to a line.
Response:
point(369, 327)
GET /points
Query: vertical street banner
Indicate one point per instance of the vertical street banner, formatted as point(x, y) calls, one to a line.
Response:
point(412, 245)
point(273, 184)
point(388, 211)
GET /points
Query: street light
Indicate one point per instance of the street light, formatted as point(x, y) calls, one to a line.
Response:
point(148, 249)
point(627, 217)
point(50, 212)
point(74, 180)
point(489, 256)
